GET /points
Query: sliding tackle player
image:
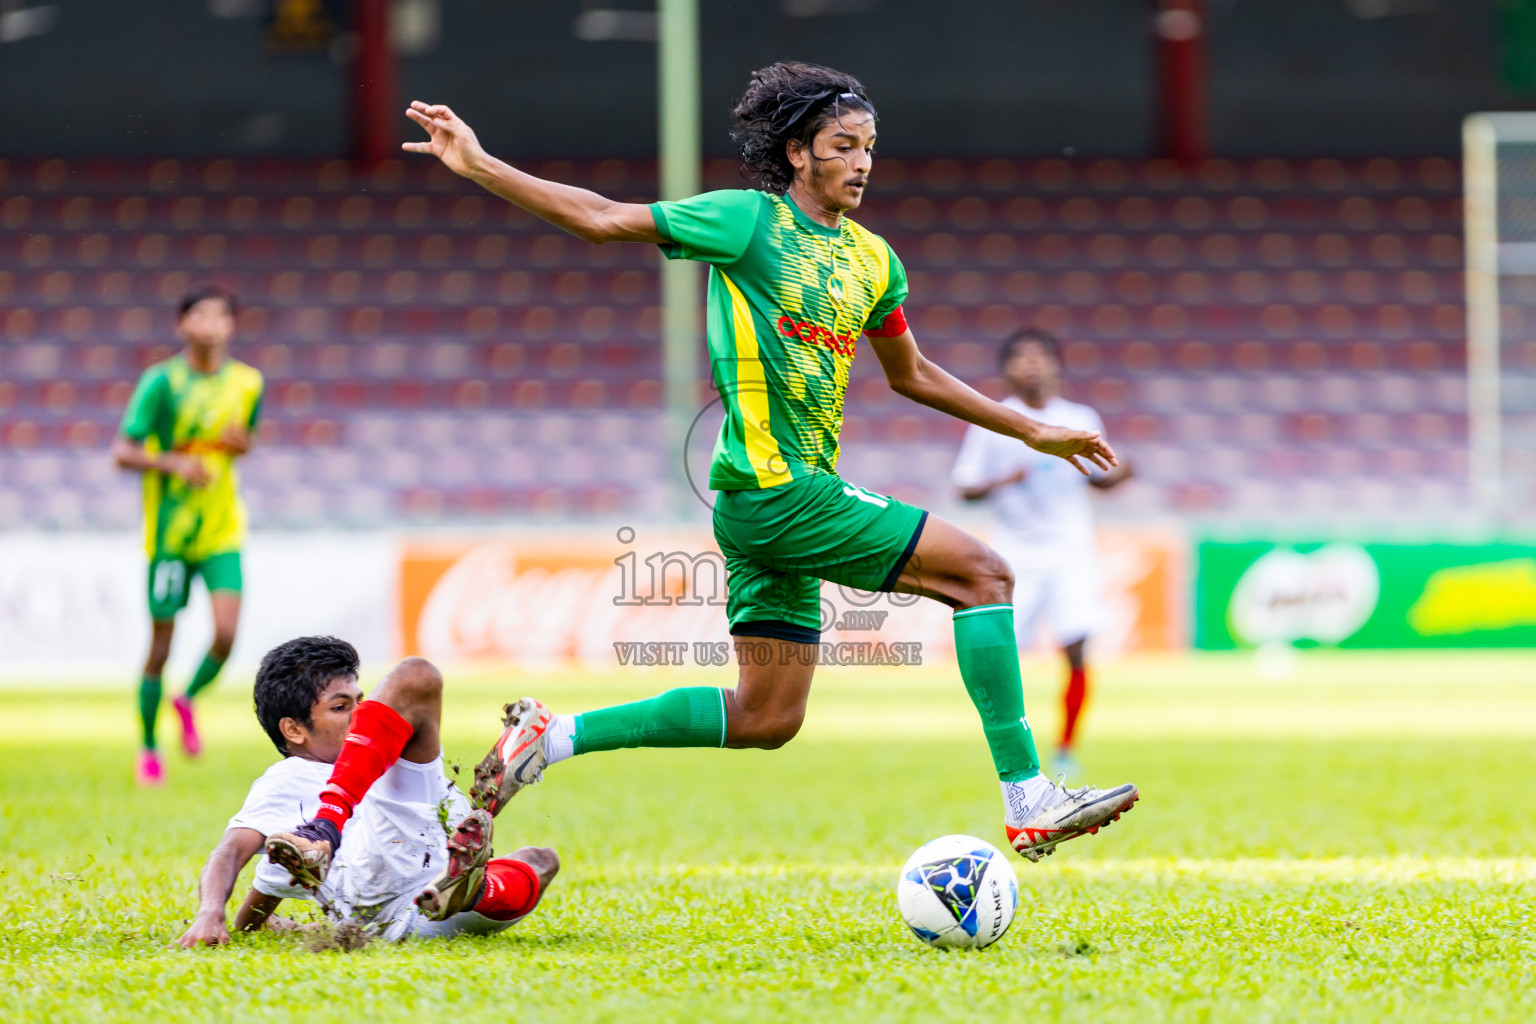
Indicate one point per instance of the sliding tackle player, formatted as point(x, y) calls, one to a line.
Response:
point(402, 871)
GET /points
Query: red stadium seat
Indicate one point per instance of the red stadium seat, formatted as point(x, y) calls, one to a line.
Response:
point(1266, 289)
point(1079, 214)
point(1109, 175)
point(970, 214)
point(1054, 175)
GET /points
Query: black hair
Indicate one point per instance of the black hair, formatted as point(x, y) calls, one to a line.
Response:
point(292, 677)
point(790, 100)
point(1032, 336)
point(208, 291)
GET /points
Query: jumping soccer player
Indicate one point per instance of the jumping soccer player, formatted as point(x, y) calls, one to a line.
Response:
point(400, 871)
point(1044, 520)
point(190, 417)
point(792, 285)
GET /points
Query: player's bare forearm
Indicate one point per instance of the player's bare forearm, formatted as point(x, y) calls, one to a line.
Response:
point(217, 880)
point(130, 454)
point(978, 492)
point(236, 847)
point(236, 440)
point(579, 211)
point(913, 376)
point(255, 911)
point(583, 213)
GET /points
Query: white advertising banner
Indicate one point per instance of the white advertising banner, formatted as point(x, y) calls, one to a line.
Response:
point(73, 606)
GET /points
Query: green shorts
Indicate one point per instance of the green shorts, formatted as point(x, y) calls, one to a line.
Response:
point(170, 580)
point(781, 542)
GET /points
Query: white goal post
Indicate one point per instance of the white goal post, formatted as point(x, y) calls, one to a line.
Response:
point(1499, 182)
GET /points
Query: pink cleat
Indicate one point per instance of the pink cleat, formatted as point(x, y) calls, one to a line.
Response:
point(148, 772)
point(189, 738)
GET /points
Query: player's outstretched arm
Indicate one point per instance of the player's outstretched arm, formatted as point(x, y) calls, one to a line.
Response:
point(217, 881)
point(913, 376)
point(978, 492)
point(583, 213)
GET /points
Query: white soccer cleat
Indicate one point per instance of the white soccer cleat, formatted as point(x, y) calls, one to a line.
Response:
point(1066, 814)
point(517, 758)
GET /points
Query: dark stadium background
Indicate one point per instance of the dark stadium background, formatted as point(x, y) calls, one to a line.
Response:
point(1013, 78)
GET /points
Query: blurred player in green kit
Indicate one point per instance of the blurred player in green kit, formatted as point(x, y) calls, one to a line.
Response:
point(190, 417)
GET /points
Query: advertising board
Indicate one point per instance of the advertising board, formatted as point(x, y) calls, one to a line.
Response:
point(73, 604)
point(1347, 594)
point(539, 598)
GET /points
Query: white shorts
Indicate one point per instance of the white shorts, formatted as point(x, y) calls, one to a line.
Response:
point(1055, 590)
point(401, 920)
point(393, 845)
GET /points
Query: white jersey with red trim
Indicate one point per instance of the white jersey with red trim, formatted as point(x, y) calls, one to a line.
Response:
point(392, 846)
point(1049, 508)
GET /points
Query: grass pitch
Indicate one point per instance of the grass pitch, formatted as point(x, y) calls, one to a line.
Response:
point(1352, 842)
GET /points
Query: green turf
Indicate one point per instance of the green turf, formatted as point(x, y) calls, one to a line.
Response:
point(1348, 843)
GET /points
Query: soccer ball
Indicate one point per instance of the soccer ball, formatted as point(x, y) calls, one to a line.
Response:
point(958, 891)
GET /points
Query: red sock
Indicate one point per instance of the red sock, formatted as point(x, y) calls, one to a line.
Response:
point(511, 889)
point(377, 736)
point(1072, 703)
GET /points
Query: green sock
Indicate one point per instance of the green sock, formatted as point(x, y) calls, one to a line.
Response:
point(988, 654)
point(692, 716)
point(149, 707)
point(206, 673)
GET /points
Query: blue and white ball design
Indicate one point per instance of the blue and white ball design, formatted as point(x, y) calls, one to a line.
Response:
point(958, 891)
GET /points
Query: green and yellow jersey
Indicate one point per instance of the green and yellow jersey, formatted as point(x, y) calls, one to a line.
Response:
point(175, 408)
point(788, 298)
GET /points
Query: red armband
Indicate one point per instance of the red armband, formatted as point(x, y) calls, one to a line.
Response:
point(893, 326)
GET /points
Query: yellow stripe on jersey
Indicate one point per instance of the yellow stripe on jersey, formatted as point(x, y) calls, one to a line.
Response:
point(197, 523)
point(874, 248)
point(751, 395)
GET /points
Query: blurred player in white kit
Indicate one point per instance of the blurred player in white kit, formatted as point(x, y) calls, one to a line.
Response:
point(1044, 521)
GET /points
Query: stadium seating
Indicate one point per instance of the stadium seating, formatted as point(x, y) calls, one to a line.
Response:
point(1265, 339)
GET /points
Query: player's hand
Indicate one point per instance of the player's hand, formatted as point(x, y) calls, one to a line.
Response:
point(452, 141)
point(1076, 446)
point(209, 931)
point(187, 467)
point(235, 438)
point(288, 924)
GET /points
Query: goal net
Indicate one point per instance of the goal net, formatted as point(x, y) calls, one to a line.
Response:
point(1499, 154)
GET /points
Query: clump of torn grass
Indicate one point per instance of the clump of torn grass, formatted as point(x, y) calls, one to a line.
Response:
point(347, 937)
